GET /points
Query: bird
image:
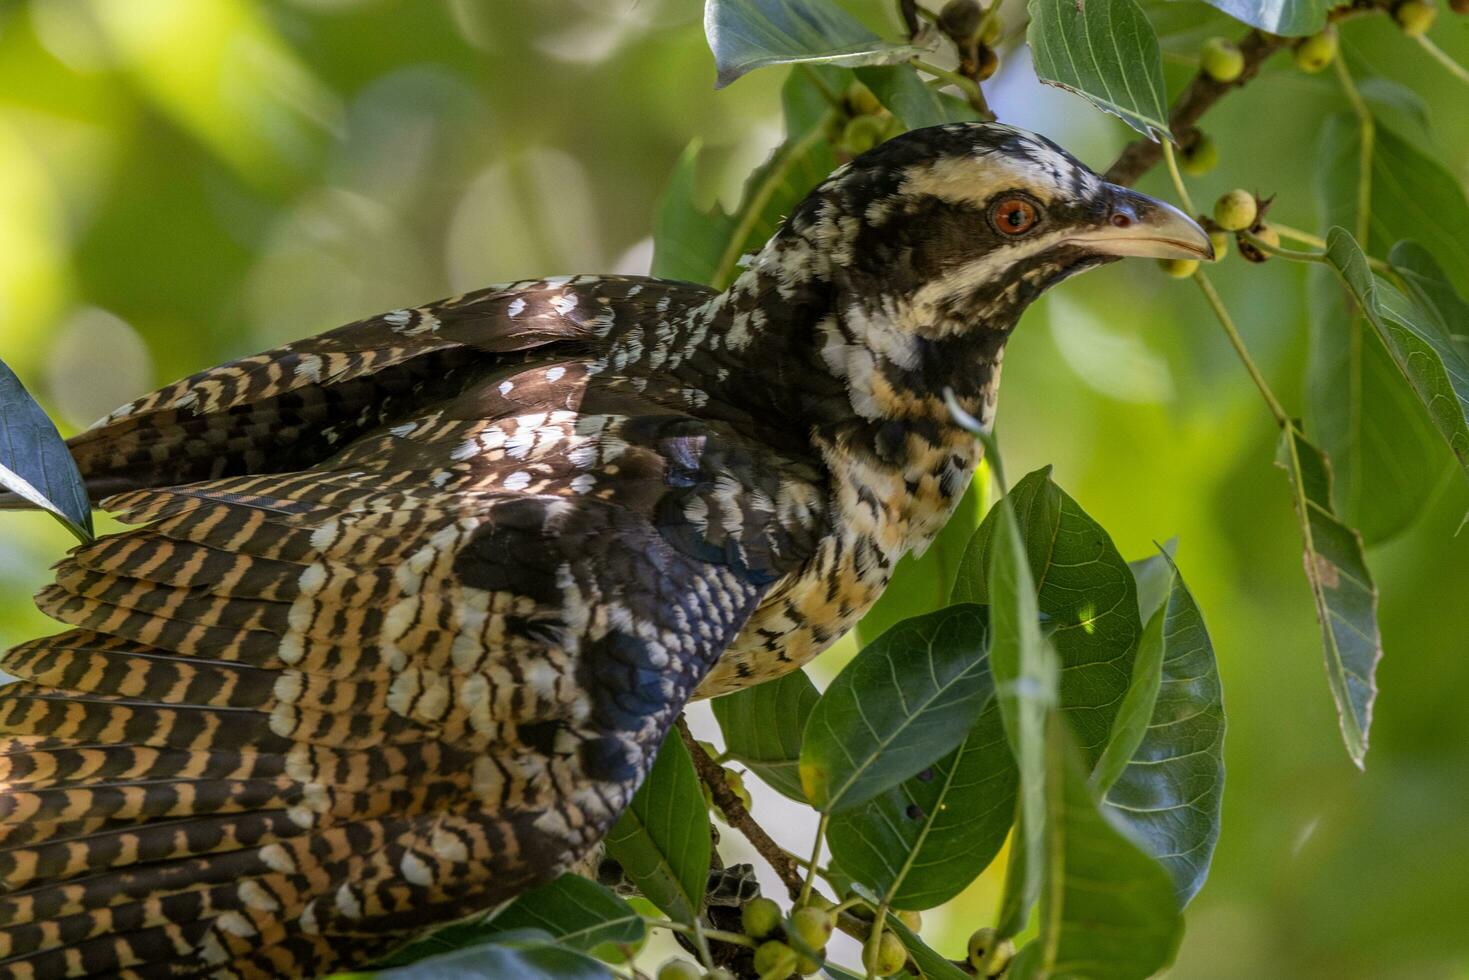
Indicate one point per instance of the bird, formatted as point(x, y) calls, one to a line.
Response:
point(406, 608)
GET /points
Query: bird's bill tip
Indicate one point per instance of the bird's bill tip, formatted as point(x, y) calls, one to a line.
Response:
point(1138, 226)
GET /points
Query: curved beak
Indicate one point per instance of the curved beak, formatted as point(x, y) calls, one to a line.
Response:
point(1136, 225)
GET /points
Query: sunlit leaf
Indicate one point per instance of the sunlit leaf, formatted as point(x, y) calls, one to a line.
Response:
point(1170, 788)
point(1107, 910)
point(922, 842)
point(35, 464)
point(1086, 590)
point(749, 34)
point(902, 703)
point(576, 912)
point(762, 728)
point(662, 838)
point(1104, 51)
point(526, 954)
point(1291, 18)
point(1346, 599)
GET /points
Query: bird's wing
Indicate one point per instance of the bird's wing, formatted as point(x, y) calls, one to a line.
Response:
point(291, 407)
point(302, 715)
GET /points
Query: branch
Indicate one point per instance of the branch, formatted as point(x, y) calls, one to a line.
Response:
point(735, 814)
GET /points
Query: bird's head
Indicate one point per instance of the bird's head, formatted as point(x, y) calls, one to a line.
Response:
point(920, 255)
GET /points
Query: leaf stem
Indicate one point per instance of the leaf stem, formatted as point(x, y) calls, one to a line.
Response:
point(1226, 321)
point(972, 92)
point(1286, 231)
point(1364, 162)
point(738, 939)
point(1442, 57)
point(815, 860)
point(1296, 255)
point(1172, 162)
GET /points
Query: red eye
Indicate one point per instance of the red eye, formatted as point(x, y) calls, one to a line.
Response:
point(1013, 215)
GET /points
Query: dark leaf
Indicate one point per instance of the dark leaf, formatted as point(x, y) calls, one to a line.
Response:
point(915, 103)
point(662, 838)
point(749, 34)
point(904, 702)
point(762, 728)
point(526, 954)
point(576, 912)
point(34, 461)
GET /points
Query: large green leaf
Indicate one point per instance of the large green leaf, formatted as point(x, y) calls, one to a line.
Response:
point(576, 912)
point(762, 728)
point(1346, 599)
point(1107, 909)
point(1428, 283)
point(902, 703)
point(749, 34)
point(1292, 18)
point(1086, 590)
point(1105, 51)
point(922, 842)
point(526, 954)
point(35, 464)
point(1170, 788)
point(662, 838)
point(915, 103)
point(1417, 340)
point(1386, 455)
point(705, 245)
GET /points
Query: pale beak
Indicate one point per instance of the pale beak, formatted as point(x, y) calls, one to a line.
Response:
point(1143, 227)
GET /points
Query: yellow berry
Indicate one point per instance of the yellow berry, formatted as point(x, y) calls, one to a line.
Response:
point(680, 970)
point(774, 959)
point(981, 943)
point(1415, 17)
point(1236, 210)
point(886, 957)
point(1316, 52)
point(759, 917)
point(861, 100)
point(1201, 157)
point(813, 926)
point(1179, 268)
point(912, 920)
point(1221, 240)
point(1222, 59)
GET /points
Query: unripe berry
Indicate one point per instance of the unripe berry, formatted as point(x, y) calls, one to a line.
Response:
point(1179, 268)
point(680, 970)
point(861, 100)
point(1236, 210)
point(816, 900)
point(775, 959)
point(1222, 59)
point(912, 920)
point(1267, 235)
point(980, 945)
point(887, 957)
point(960, 18)
point(991, 30)
point(861, 134)
point(1201, 157)
point(759, 917)
point(813, 926)
point(1459, 6)
point(1316, 52)
point(1221, 240)
point(1415, 17)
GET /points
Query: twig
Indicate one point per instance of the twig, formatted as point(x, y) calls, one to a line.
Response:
point(1178, 185)
point(1442, 57)
point(738, 817)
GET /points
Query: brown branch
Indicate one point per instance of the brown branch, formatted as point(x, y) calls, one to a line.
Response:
point(1141, 155)
point(711, 774)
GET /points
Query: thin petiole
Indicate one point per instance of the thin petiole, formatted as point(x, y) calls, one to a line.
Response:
point(1226, 321)
point(1442, 57)
point(1172, 162)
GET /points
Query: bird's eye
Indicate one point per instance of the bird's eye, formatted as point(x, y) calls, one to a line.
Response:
point(1014, 215)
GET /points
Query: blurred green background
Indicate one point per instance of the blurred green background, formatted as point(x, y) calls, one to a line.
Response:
point(186, 181)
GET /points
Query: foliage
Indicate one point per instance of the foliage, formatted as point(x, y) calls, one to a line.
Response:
point(1021, 680)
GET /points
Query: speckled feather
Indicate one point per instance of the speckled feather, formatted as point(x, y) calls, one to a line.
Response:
point(410, 605)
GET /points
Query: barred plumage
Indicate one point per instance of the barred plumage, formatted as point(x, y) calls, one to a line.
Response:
point(409, 606)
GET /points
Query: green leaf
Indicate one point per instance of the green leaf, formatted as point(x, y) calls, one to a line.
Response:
point(1429, 286)
point(1346, 599)
point(906, 700)
point(922, 842)
point(705, 244)
point(662, 838)
point(1172, 787)
point(576, 912)
point(1026, 675)
point(908, 97)
point(749, 34)
point(1418, 342)
point(930, 963)
point(762, 728)
point(527, 954)
point(1137, 706)
point(1086, 590)
point(35, 464)
point(1385, 452)
point(1154, 577)
point(923, 583)
point(1292, 18)
point(1107, 908)
point(1106, 52)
